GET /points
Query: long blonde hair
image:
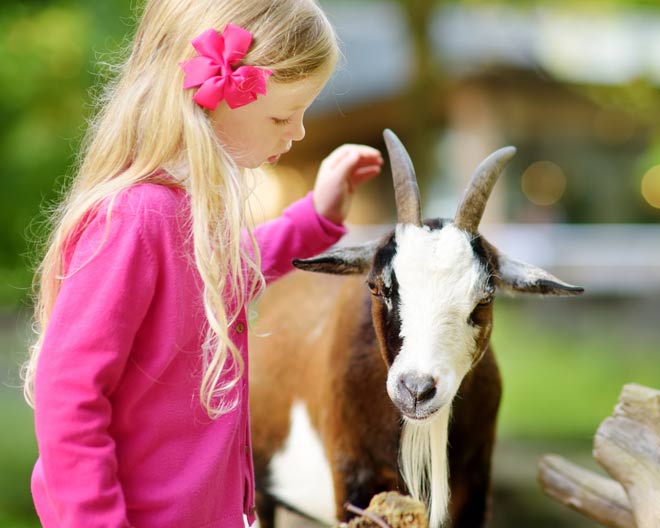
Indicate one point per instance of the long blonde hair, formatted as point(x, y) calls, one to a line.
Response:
point(147, 123)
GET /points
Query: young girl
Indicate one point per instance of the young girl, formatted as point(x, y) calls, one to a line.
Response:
point(139, 374)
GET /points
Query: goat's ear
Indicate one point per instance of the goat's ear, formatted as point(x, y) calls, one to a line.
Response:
point(516, 276)
point(341, 260)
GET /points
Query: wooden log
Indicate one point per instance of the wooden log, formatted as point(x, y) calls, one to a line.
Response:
point(627, 445)
point(586, 492)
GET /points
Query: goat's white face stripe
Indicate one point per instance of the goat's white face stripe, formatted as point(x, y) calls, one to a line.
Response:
point(387, 283)
point(440, 281)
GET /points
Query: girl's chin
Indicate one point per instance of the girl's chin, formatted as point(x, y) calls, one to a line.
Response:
point(273, 159)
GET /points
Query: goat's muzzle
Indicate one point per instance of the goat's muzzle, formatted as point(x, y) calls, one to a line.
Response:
point(416, 395)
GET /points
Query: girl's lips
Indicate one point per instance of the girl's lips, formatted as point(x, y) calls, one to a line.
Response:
point(276, 157)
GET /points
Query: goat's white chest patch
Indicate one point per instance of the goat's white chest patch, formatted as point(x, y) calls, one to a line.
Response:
point(300, 472)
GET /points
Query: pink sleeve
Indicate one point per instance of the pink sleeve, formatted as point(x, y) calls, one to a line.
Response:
point(299, 233)
point(98, 311)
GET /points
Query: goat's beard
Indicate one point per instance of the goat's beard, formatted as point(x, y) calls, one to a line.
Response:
point(423, 462)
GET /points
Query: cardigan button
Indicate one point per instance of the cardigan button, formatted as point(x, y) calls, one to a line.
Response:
point(239, 327)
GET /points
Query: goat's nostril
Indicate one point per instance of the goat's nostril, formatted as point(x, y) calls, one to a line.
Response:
point(420, 387)
point(427, 393)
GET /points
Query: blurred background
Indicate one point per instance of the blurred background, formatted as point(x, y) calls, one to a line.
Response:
point(574, 85)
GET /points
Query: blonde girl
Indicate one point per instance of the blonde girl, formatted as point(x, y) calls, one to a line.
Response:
point(138, 376)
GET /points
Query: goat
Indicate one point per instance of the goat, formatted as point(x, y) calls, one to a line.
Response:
point(364, 380)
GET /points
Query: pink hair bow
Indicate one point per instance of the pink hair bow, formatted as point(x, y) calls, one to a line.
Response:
point(213, 69)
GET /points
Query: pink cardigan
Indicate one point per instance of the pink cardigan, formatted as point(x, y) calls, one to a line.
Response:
point(123, 439)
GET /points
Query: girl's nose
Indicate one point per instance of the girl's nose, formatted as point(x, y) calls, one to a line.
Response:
point(298, 131)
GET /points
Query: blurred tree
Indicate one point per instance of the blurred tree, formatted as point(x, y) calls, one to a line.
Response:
point(424, 87)
point(48, 52)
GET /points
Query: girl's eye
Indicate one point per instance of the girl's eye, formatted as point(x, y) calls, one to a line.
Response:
point(281, 122)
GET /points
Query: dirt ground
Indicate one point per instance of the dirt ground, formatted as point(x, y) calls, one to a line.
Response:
point(286, 519)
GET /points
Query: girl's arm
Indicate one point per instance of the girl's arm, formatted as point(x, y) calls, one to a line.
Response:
point(98, 311)
point(300, 232)
point(313, 224)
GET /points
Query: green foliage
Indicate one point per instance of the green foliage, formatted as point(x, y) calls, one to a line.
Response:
point(48, 52)
point(42, 101)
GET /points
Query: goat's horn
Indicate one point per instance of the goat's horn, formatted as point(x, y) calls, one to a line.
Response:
point(471, 209)
point(406, 192)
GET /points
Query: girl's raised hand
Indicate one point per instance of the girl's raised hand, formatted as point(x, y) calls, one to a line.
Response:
point(339, 175)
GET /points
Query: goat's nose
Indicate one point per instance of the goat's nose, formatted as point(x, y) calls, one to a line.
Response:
point(420, 386)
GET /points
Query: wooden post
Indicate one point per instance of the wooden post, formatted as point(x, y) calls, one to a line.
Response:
point(627, 446)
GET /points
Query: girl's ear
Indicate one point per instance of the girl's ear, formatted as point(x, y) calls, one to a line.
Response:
point(516, 276)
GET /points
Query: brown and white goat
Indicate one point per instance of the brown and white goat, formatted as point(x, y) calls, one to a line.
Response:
point(352, 387)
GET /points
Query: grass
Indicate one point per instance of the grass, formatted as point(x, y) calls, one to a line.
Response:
point(563, 365)
point(18, 448)
point(18, 452)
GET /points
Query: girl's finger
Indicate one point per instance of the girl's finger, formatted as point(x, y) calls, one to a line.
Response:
point(346, 162)
point(365, 172)
point(363, 161)
point(352, 151)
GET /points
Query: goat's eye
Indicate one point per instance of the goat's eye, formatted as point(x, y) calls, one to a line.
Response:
point(373, 288)
point(479, 314)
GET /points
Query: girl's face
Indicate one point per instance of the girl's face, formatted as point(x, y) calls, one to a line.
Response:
point(263, 130)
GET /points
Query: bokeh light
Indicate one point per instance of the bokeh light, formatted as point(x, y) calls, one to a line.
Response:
point(651, 186)
point(543, 183)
